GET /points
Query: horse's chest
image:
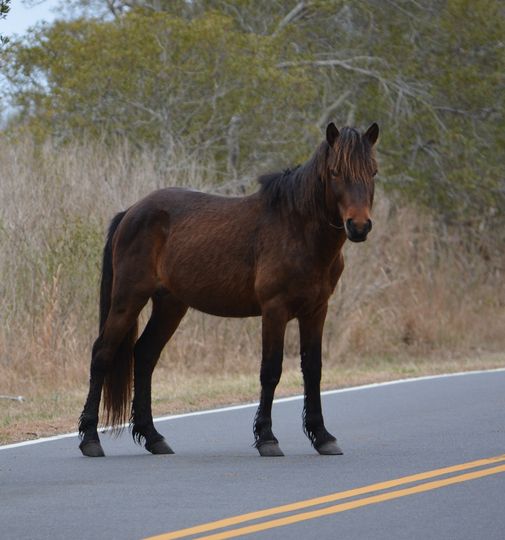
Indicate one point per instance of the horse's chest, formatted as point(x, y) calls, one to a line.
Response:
point(300, 283)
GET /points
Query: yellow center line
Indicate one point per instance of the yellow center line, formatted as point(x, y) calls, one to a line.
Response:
point(235, 520)
point(342, 507)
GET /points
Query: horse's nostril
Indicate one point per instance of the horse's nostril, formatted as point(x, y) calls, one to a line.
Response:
point(358, 229)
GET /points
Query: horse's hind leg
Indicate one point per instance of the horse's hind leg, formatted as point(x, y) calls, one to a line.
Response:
point(166, 315)
point(274, 322)
point(88, 422)
point(120, 321)
point(311, 331)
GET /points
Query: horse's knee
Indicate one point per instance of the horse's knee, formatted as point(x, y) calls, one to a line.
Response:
point(146, 357)
point(100, 363)
point(270, 379)
point(271, 371)
point(311, 365)
point(143, 365)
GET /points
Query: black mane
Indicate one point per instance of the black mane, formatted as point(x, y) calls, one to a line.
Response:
point(297, 190)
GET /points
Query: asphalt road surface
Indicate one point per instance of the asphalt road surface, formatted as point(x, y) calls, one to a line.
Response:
point(423, 459)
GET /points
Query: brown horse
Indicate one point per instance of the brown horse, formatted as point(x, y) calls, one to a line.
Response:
point(276, 254)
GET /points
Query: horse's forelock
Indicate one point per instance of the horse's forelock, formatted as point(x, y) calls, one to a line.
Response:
point(353, 156)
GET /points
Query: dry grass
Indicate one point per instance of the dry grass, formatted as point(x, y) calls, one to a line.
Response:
point(410, 301)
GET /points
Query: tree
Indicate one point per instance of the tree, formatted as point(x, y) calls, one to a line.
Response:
point(158, 80)
point(251, 84)
point(4, 9)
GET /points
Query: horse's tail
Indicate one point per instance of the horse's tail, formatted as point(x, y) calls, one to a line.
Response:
point(118, 379)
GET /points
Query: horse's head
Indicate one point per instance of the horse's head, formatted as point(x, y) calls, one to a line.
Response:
point(349, 179)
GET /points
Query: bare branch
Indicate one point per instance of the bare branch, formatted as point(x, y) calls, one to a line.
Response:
point(291, 16)
point(111, 6)
point(13, 398)
point(325, 115)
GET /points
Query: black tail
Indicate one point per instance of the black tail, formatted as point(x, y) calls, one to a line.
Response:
point(107, 270)
point(118, 380)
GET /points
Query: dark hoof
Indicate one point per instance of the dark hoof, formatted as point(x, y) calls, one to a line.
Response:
point(270, 449)
point(330, 448)
point(159, 447)
point(91, 449)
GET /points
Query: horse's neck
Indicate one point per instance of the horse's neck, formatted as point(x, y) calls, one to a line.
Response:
point(324, 240)
point(333, 241)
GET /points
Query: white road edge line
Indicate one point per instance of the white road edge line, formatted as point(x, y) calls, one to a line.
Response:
point(280, 400)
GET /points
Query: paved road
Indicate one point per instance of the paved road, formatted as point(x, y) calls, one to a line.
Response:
point(48, 491)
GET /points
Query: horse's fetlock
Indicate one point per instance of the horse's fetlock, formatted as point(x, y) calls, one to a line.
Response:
point(263, 430)
point(87, 423)
point(319, 436)
point(265, 435)
point(145, 433)
point(313, 421)
point(138, 433)
point(262, 422)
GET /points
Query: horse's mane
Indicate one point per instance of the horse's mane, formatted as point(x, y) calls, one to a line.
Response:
point(301, 189)
point(298, 190)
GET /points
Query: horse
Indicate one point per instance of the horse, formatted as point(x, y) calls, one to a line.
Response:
point(274, 254)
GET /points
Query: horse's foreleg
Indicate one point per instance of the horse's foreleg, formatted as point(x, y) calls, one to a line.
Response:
point(311, 331)
point(165, 318)
point(274, 322)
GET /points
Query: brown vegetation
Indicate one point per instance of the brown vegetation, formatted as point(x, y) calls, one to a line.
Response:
point(412, 292)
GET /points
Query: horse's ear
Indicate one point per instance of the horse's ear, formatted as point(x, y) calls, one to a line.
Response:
point(331, 133)
point(372, 133)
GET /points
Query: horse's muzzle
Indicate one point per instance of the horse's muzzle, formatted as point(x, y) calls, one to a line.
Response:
point(357, 232)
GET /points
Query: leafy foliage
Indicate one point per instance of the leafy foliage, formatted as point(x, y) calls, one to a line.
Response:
point(251, 84)
point(158, 80)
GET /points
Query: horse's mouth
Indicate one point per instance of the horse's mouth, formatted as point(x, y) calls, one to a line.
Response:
point(357, 240)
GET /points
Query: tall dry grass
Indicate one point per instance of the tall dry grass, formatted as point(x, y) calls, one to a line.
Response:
point(407, 293)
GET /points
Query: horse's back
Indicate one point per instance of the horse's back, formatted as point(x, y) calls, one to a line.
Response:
point(197, 246)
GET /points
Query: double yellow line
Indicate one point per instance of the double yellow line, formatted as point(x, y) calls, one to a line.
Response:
point(483, 465)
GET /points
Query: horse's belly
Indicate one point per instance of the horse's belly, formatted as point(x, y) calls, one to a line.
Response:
point(215, 293)
point(220, 302)
point(223, 307)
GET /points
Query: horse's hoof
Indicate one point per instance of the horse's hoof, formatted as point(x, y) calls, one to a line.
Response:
point(330, 448)
point(270, 449)
point(91, 449)
point(159, 447)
